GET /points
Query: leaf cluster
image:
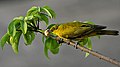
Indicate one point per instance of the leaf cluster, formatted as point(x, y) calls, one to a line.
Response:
point(26, 26)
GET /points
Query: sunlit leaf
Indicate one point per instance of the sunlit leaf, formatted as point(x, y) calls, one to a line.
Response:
point(28, 18)
point(4, 39)
point(12, 29)
point(85, 41)
point(29, 12)
point(50, 12)
point(89, 46)
point(15, 41)
point(89, 22)
point(23, 26)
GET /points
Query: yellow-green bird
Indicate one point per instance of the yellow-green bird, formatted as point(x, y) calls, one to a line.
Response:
point(79, 30)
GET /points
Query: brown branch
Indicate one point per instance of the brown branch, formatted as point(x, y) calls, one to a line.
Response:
point(94, 53)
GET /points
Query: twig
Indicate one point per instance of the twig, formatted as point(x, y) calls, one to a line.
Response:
point(94, 53)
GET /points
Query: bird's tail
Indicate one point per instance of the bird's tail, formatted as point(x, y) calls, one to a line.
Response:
point(107, 32)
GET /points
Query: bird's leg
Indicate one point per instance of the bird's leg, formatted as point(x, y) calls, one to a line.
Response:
point(60, 41)
point(76, 45)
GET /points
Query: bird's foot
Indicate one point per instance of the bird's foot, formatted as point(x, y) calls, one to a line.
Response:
point(60, 41)
point(76, 45)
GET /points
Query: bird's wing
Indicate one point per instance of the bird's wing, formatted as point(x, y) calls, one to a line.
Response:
point(84, 29)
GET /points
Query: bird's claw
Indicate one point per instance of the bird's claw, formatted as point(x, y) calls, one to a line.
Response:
point(60, 41)
point(76, 45)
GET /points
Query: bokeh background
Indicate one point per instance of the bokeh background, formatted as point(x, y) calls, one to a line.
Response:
point(104, 12)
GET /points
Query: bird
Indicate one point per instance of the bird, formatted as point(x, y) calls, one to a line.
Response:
point(77, 30)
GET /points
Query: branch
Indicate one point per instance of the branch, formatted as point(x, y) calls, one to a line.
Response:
point(94, 53)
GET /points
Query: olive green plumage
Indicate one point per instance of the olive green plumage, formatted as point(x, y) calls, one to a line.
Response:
point(78, 30)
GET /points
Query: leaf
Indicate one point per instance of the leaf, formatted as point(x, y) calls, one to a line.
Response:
point(8, 40)
point(29, 37)
point(37, 16)
point(28, 18)
point(47, 46)
point(50, 12)
point(15, 41)
point(29, 12)
point(43, 38)
point(89, 22)
point(23, 26)
point(55, 51)
point(98, 36)
point(52, 45)
point(48, 42)
point(89, 46)
point(12, 29)
point(14, 24)
point(44, 18)
point(85, 41)
point(46, 52)
point(50, 26)
point(17, 21)
point(4, 39)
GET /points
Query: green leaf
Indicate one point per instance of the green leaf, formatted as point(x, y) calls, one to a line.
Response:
point(17, 21)
point(37, 16)
point(89, 46)
point(50, 26)
point(29, 37)
point(14, 41)
point(4, 39)
point(89, 22)
point(47, 46)
point(50, 12)
point(8, 40)
point(43, 38)
point(14, 24)
point(48, 42)
point(28, 18)
point(55, 51)
point(46, 51)
point(31, 10)
point(45, 19)
point(52, 45)
point(12, 29)
point(98, 36)
point(23, 26)
point(83, 42)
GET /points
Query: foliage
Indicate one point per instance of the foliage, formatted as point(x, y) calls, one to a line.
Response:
point(26, 26)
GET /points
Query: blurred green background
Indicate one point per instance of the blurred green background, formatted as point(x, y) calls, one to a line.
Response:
point(103, 12)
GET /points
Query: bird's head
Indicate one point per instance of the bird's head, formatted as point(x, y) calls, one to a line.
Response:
point(55, 27)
